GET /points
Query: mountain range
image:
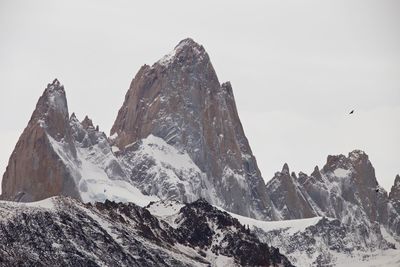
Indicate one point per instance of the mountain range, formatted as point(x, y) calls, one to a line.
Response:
point(176, 184)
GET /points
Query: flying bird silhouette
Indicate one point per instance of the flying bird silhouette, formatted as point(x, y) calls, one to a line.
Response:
point(351, 112)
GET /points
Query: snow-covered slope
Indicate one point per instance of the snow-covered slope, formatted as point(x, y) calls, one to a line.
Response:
point(316, 241)
point(65, 232)
point(159, 169)
point(58, 155)
point(345, 189)
point(327, 242)
point(97, 171)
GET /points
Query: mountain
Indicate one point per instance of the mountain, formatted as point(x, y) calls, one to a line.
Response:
point(58, 155)
point(347, 192)
point(177, 135)
point(35, 170)
point(62, 231)
point(288, 198)
point(178, 108)
point(346, 188)
point(176, 184)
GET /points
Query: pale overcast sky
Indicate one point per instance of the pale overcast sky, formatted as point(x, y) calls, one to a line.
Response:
point(297, 68)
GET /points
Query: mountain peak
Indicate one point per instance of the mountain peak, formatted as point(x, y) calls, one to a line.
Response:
point(358, 155)
point(53, 98)
point(316, 169)
point(285, 168)
point(395, 190)
point(186, 50)
point(56, 82)
point(51, 112)
point(87, 122)
point(187, 42)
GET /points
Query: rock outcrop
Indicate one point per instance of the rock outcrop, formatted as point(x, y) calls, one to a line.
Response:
point(180, 100)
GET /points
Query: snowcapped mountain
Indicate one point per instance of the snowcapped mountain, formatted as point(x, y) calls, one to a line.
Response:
point(346, 188)
point(177, 135)
point(365, 221)
point(180, 100)
point(63, 231)
point(58, 155)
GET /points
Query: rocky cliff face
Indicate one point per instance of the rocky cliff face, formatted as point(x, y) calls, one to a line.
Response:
point(395, 190)
point(58, 155)
point(35, 170)
point(394, 207)
point(346, 188)
point(288, 198)
point(180, 100)
point(64, 232)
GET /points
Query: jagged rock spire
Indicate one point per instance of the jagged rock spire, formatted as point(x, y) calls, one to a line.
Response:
point(285, 168)
point(86, 123)
point(34, 169)
point(395, 190)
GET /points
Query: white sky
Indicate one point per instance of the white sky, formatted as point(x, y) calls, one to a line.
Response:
point(297, 68)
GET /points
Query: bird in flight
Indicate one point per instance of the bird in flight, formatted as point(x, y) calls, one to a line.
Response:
point(351, 112)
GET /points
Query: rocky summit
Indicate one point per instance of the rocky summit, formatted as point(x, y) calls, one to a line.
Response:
point(180, 100)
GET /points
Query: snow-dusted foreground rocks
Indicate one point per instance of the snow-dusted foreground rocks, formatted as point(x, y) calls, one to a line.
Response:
point(316, 241)
point(62, 231)
point(321, 241)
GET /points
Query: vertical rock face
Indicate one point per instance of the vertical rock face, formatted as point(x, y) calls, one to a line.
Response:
point(395, 190)
point(394, 207)
point(346, 188)
point(180, 100)
point(287, 196)
point(35, 170)
point(58, 155)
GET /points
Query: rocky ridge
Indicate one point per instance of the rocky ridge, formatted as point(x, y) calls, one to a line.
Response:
point(345, 189)
point(63, 231)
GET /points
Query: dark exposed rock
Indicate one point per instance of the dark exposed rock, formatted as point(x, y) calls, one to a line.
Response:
point(63, 232)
